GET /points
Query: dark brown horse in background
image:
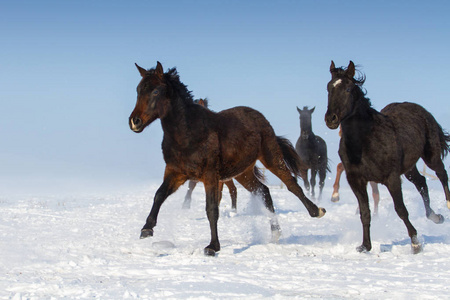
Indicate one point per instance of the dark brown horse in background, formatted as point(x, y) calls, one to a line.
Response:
point(312, 150)
point(202, 145)
point(381, 146)
point(192, 183)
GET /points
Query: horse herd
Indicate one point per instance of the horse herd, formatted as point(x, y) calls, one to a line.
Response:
point(217, 147)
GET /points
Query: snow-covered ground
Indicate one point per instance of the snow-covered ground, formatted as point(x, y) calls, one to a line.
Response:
point(88, 246)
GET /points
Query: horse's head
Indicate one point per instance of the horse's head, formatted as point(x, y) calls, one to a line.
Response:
point(152, 100)
point(341, 94)
point(305, 117)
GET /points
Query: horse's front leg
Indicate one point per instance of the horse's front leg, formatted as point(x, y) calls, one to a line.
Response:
point(171, 183)
point(339, 170)
point(359, 188)
point(212, 212)
point(313, 181)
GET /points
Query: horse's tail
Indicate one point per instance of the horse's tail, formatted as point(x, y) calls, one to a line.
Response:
point(328, 166)
point(444, 139)
point(259, 174)
point(290, 156)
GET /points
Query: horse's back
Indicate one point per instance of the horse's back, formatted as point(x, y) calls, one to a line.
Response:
point(416, 129)
point(243, 132)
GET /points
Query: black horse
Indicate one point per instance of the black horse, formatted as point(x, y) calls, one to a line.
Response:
point(381, 146)
point(202, 145)
point(312, 150)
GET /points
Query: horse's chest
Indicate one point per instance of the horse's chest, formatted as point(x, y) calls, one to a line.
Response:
point(374, 159)
point(191, 159)
point(307, 149)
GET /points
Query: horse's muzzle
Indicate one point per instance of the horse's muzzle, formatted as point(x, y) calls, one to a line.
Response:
point(332, 121)
point(136, 124)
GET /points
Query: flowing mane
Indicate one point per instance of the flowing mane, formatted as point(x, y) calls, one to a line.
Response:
point(358, 81)
point(176, 87)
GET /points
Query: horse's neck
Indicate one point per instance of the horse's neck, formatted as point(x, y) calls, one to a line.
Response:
point(176, 128)
point(184, 125)
point(355, 130)
point(306, 132)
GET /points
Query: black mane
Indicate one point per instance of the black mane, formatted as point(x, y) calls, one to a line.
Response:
point(176, 87)
point(358, 81)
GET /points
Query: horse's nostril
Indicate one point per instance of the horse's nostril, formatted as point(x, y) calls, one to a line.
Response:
point(334, 118)
point(137, 121)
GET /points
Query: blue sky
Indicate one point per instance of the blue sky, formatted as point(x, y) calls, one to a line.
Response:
point(67, 75)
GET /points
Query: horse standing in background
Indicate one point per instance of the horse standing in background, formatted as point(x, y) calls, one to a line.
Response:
point(192, 183)
point(312, 150)
point(381, 146)
point(202, 145)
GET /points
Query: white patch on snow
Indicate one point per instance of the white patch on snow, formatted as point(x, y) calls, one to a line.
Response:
point(89, 247)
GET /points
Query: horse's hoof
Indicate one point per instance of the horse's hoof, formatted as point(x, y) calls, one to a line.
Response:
point(335, 198)
point(416, 248)
point(448, 204)
point(276, 234)
point(436, 218)
point(210, 252)
point(322, 212)
point(362, 249)
point(186, 205)
point(145, 233)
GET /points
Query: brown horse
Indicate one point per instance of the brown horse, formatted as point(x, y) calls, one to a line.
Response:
point(381, 146)
point(192, 183)
point(202, 145)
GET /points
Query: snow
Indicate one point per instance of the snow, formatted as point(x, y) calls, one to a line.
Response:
point(83, 246)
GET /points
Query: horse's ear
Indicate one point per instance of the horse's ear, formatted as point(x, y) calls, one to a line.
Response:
point(298, 109)
point(332, 67)
point(312, 110)
point(142, 71)
point(201, 102)
point(350, 70)
point(159, 70)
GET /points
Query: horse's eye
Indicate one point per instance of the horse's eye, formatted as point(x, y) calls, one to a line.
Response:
point(349, 90)
point(155, 92)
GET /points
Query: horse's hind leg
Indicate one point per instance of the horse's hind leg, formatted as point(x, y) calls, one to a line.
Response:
point(285, 175)
point(438, 167)
point(376, 196)
point(420, 182)
point(339, 170)
point(395, 189)
point(233, 193)
point(188, 197)
point(250, 182)
point(322, 177)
